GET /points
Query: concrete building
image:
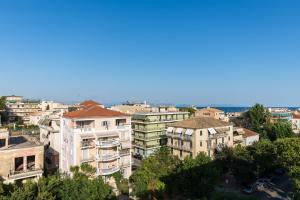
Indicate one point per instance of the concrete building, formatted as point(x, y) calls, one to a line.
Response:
point(50, 136)
point(21, 157)
point(53, 106)
point(280, 114)
point(17, 107)
point(131, 108)
point(200, 134)
point(149, 129)
point(97, 136)
point(244, 137)
point(212, 113)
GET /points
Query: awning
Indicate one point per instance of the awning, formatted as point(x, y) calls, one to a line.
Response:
point(189, 132)
point(169, 129)
point(178, 130)
point(212, 131)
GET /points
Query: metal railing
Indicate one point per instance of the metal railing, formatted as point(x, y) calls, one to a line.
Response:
point(107, 171)
point(107, 157)
point(107, 143)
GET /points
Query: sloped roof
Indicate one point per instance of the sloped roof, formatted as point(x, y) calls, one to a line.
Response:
point(94, 111)
point(200, 123)
point(89, 103)
point(249, 133)
point(296, 116)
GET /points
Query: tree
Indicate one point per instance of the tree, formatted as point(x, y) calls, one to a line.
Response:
point(280, 129)
point(2, 103)
point(288, 154)
point(148, 181)
point(194, 178)
point(260, 119)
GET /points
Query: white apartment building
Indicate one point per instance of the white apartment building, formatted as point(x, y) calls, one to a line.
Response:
point(244, 137)
point(97, 136)
point(17, 107)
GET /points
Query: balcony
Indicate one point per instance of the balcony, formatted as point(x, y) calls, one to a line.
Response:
point(124, 126)
point(86, 160)
point(179, 136)
point(16, 175)
point(184, 148)
point(107, 157)
point(107, 143)
point(87, 144)
point(107, 171)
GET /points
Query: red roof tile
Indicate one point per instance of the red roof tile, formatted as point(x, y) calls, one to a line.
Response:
point(89, 103)
point(296, 116)
point(249, 133)
point(94, 111)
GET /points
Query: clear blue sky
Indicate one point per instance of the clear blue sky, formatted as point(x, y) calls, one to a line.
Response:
point(191, 52)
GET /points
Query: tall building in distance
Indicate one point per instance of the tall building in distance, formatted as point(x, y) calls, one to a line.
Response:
point(149, 128)
point(200, 134)
point(97, 136)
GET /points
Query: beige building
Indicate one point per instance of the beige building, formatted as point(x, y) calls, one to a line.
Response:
point(21, 157)
point(17, 107)
point(244, 137)
point(212, 113)
point(296, 122)
point(131, 108)
point(97, 136)
point(200, 134)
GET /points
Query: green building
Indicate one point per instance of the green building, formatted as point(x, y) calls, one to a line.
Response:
point(149, 130)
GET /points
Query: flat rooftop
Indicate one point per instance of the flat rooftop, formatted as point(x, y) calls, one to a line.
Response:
point(19, 142)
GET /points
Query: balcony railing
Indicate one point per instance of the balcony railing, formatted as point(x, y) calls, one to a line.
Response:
point(124, 126)
point(179, 136)
point(107, 157)
point(25, 174)
point(184, 148)
point(107, 171)
point(86, 144)
point(107, 143)
point(86, 160)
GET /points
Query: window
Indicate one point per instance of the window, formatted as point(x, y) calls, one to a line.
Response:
point(85, 154)
point(200, 143)
point(228, 138)
point(31, 162)
point(105, 123)
point(200, 133)
point(120, 122)
point(19, 162)
point(222, 140)
point(2, 142)
point(180, 153)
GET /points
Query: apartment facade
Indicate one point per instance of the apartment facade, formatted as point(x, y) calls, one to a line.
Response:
point(296, 122)
point(17, 107)
point(149, 129)
point(97, 136)
point(212, 113)
point(200, 134)
point(21, 157)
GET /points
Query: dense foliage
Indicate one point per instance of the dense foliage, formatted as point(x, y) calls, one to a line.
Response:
point(249, 163)
point(60, 187)
point(163, 174)
point(259, 120)
point(2, 103)
point(191, 110)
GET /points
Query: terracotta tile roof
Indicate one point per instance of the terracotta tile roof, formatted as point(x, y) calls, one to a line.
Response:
point(89, 103)
point(200, 123)
point(94, 111)
point(296, 116)
point(249, 133)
